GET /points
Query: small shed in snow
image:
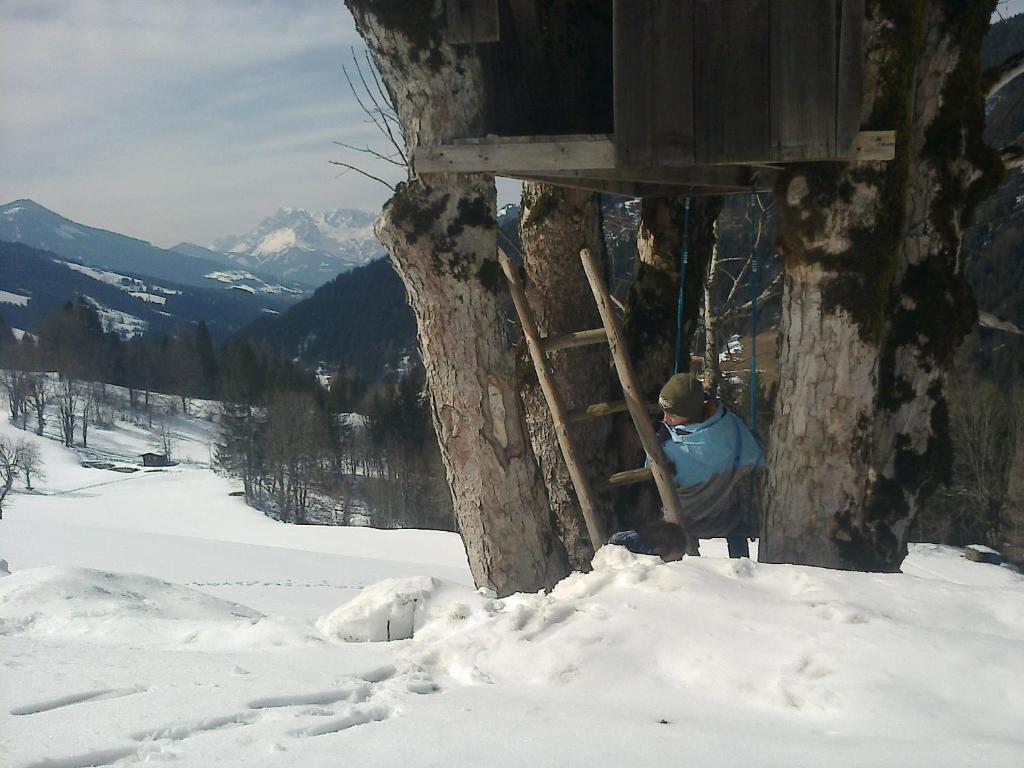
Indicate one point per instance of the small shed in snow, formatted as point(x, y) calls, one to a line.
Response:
point(155, 460)
point(706, 95)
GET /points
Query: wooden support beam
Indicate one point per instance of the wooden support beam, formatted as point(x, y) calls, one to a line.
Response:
point(572, 340)
point(524, 154)
point(631, 393)
point(694, 175)
point(631, 477)
point(596, 411)
point(592, 156)
point(584, 492)
point(632, 189)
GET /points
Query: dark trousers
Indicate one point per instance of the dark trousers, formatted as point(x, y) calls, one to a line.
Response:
point(738, 546)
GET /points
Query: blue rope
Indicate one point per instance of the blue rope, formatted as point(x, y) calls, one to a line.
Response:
point(751, 529)
point(753, 310)
point(684, 257)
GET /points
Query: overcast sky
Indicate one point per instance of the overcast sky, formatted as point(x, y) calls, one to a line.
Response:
point(179, 120)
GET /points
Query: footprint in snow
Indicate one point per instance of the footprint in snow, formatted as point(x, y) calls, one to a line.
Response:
point(102, 694)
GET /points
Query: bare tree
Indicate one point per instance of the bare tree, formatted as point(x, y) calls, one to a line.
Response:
point(39, 394)
point(15, 384)
point(67, 409)
point(88, 403)
point(12, 457)
point(163, 438)
point(31, 464)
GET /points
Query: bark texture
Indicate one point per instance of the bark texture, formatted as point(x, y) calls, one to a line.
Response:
point(875, 300)
point(441, 237)
point(555, 224)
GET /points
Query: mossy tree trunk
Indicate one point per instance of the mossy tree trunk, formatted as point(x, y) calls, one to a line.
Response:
point(441, 237)
point(876, 301)
point(555, 223)
point(651, 321)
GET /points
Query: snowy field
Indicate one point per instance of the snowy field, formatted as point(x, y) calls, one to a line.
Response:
point(152, 617)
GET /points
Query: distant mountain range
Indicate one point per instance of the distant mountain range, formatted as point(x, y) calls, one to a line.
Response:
point(308, 247)
point(35, 283)
point(27, 222)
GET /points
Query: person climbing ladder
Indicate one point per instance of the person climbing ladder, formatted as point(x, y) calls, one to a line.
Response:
point(712, 453)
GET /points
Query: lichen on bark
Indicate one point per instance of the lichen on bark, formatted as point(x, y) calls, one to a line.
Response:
point(881, 253)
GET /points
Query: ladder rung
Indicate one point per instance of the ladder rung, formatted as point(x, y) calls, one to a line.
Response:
point(577, 339)
point(596, 411)
point(631, 476)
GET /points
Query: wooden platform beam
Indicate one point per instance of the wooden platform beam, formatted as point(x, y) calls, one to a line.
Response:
point(592, 156)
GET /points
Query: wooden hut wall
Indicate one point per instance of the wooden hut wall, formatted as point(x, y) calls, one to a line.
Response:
point(711, 81)
point(550, 72)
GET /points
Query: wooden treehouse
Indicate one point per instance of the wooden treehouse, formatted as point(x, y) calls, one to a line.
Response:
point(660, 97)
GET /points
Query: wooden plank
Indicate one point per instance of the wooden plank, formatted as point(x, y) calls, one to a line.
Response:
point(653, 82)
point(596, 411)
point(631, 189)
point(803, 73)
point(875, 146)
point(631, 477)
point(732, 82)
point(584, 492)
point(850, 76)
point(631, 393)
point(572, 340)
point(741, 176)
point(501, 155)
point(471, 21)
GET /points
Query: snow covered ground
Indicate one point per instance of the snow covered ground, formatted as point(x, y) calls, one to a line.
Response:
point(154, 617)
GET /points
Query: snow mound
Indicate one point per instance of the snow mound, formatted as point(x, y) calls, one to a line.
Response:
point(394, 609)
point(853, 648)
point(124, 609)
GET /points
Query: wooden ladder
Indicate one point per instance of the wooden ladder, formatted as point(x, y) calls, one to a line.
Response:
point(613, 335)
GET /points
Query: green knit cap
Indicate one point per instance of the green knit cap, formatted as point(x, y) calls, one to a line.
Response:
point(683, 395)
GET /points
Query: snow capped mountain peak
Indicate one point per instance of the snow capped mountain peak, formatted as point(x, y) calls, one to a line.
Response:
point(311, 247)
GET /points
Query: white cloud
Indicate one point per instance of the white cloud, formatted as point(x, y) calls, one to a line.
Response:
point(177, 120)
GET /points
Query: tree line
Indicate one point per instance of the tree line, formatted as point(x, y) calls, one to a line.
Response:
point(362, 451)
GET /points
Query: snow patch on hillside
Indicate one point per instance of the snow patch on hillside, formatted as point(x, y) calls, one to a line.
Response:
point(114, 321)
point(6, 297)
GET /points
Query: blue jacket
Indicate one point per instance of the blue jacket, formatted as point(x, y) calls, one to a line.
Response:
point(709, 460)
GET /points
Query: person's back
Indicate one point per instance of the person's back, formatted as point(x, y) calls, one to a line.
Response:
point(713, 454)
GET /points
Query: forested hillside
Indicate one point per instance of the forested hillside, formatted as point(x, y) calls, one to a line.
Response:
point(359, 321)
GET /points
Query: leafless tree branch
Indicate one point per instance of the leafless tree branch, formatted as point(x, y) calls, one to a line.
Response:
point(364, 173)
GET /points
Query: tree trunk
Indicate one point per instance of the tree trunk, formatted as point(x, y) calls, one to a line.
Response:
point(875, 300)
point(1013, 512)
point(650, 323)
point(441, 236)
point(555, 224)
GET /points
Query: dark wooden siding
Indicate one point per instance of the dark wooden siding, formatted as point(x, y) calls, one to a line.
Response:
point(551, 71)
point(654, 82)
point(732, 80)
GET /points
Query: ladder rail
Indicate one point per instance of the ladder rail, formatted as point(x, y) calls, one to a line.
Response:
point(631, 393)
point(534, 343)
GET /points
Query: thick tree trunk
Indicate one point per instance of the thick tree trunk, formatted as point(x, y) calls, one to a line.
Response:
point(651, 322)
point(555, 224)
point(440, 234)
point(875, 300)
